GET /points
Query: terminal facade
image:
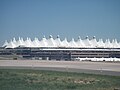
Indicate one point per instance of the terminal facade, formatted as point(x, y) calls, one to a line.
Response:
point(57, 49)
point(59, 53)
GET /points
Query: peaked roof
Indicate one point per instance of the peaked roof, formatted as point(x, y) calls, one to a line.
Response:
point(51, 42)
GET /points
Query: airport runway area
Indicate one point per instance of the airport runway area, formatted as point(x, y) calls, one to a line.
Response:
point(105, 68)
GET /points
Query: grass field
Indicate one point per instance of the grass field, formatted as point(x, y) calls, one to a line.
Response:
point(16, 79)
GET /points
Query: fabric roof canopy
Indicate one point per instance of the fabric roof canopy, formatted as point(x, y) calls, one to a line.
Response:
point(51, 42)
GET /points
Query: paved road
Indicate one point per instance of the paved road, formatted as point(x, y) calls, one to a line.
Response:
point(106, 68)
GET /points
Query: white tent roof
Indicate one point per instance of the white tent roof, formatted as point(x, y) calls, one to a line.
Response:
point(93, 42)
point(11, 45)
point(51, 42)
point(43, 42)
point(80, 42)
point(36, 42)
point(28, 43)
point(65, 43)
point(58, 42)
point(108, 44)
point(115, 43)
point(86, 42)
point(5, 44)
point(72, 43)
point(100, 43)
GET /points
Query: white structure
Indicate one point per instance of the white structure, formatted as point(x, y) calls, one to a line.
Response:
point(51, 42)
point(97, 59)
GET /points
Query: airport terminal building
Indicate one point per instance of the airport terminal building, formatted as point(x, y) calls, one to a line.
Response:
point(57, 49)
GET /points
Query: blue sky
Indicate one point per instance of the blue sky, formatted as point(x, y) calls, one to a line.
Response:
point(67, 18)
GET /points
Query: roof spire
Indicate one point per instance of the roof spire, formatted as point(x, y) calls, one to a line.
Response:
point(58, 36)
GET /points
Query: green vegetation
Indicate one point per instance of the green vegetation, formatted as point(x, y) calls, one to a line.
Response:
point(16, 79)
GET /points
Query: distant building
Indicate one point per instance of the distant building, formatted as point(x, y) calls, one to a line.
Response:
point(49, 49)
